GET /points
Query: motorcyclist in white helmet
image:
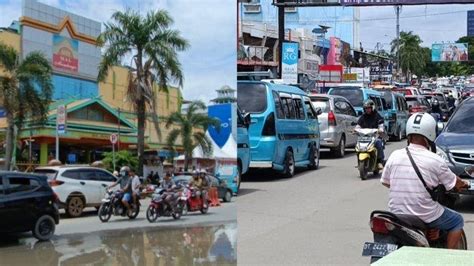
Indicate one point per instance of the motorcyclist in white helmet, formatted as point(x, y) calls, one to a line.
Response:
point(408, 194)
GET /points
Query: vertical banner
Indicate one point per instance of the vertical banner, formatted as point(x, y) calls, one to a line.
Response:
point(223, 112)
point(289, 63)
point(61, 119)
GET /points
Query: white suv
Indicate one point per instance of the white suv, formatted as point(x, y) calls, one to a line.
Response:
point(77, 186)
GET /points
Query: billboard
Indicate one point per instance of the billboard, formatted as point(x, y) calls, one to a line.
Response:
point(401, 2)
point(65, 54)
point(334, 56)
point(289, 62)
point(470, 23)
point(449, 52)
point(330, 73)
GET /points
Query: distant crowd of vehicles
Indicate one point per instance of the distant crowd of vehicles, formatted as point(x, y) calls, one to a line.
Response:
point(282, 127)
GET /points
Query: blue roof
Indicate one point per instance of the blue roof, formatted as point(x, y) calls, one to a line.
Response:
point(278, 87)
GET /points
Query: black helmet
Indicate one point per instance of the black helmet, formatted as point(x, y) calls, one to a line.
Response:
point(369, 103)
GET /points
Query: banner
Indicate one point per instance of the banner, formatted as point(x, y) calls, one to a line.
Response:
point(223, 112)
point(65, 54)
point(61, 115)
point(400, 2)
point(449, 52)
point(289, 63)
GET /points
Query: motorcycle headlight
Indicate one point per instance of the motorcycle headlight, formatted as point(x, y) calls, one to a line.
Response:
point(442, 154)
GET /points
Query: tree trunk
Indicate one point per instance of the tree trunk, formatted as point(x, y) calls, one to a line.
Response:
point(186, 162)
point(10, 138)
point(141, 114)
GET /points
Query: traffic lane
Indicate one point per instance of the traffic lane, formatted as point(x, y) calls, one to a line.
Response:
point(210, 245)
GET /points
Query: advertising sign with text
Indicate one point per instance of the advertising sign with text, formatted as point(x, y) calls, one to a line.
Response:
point(289, 63)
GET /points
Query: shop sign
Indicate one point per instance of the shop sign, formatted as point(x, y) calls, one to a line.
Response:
point(65, 54)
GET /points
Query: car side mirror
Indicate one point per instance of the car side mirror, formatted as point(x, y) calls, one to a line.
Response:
point(469, 170)
point(359, 113)
point(318, 111)
point(440, 126)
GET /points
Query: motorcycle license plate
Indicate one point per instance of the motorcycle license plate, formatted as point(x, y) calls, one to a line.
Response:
point(378, 249)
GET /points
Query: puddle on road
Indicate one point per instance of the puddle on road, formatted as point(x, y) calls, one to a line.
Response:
point(214, 245)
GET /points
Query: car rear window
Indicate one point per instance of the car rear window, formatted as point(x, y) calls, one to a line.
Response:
point(22, 184)
point(354, 96)
point(458, 121)
point(413, 102)
point(388, 98)
point(252, 97)
point(322, 103)
point(50, 173)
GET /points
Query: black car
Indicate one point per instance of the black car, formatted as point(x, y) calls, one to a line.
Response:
point(27, 203)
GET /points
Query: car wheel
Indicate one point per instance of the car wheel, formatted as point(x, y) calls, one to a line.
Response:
point(313, 158)
point(74, 206)
point(289, 170)
point(400, 135)
point(340, 150)
point(227, 196)
point(44, 228)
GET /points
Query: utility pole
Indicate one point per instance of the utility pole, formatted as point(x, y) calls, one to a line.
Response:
point(281, 36)
point(398, 10)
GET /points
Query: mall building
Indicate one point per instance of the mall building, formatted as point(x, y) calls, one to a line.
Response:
point(95, 110)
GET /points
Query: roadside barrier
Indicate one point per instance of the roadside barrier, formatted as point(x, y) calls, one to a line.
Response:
point(214, 197)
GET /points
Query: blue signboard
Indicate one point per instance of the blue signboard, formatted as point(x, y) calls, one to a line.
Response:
point(223, 112)
point(3, 113)
point(289, 62)
point(470, 23)
point(72, 158)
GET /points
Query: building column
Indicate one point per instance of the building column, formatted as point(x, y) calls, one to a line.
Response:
point(43, 153)
point(88, 156)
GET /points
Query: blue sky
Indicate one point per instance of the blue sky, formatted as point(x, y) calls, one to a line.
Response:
point(209, 27)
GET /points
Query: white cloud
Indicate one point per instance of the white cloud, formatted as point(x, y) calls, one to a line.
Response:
point(209, 27)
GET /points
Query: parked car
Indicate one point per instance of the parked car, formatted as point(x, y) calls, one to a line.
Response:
point(27, 203)
point(417, 103)
point(397, 114)
point(336, 122)
point(229, 174)
point(455, 144)
point(224, 192)
point(77, 186)
point(243, 145)
point(284, 129)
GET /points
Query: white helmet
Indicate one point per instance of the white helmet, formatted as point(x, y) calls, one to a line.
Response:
point(422, 124)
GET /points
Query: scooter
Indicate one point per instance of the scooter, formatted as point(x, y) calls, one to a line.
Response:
point(112, 205)
point(392, 231)
point(193, 202)
point(158, 207)
point(366, 151)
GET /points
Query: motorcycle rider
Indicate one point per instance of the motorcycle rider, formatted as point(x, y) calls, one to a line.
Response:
point(408, 194)
point(436, 109)
point(135, 185)
point(169, 196)
point(201, 184)
point(372, 119)
point(125, 182)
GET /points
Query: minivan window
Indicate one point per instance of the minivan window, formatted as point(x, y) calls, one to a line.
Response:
point(88, 174)
point(299, 109)
point(103, 176)
point(354, 96)
point(458, 121)
point(388, 99)
point(278, 106)
point(73, 174)
point(310, 112)
point(322, 103)
point(252, 97)
point(288, 108)
point(50, 173)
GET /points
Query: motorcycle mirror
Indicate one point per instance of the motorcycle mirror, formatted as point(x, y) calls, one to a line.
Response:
point(440, 126)
point(469, 170)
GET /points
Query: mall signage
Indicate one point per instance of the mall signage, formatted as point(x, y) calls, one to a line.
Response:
point(65, 56)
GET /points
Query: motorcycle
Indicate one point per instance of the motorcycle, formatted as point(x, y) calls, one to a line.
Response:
point(193, 202)
point(112, 205)
point(392, 231)
point(366, 151)
point(158, 207)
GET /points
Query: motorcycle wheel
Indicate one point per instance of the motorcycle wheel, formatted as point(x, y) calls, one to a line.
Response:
point(205, 209)
point(104, 212)
point(177, 215)
point(152, 214)
point(136, 211)
point(185, 209)
point(362, 165)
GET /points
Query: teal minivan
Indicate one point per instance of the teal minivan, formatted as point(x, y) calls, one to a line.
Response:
point(243, 145)
point(284, 128)
point(397, 117)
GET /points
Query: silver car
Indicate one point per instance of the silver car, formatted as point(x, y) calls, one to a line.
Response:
point(336, 123)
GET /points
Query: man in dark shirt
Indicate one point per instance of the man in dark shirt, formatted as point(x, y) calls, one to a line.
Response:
point(372, 119)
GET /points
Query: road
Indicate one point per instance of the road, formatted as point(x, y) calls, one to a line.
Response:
point(317, 217)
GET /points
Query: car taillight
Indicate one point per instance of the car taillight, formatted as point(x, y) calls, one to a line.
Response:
point(331, 118)
point(269, 126)
point(415, 109)
point(55, 197)
point(54, 183)
point(380, 226)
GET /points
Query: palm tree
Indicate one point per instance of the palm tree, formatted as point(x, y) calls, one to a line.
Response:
point(411, 58)
point(187, 125)
point(26, 91)
point(153, 47)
